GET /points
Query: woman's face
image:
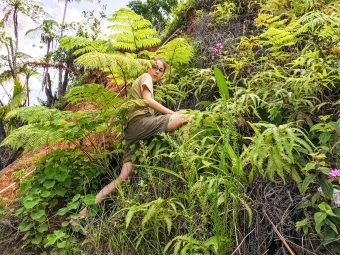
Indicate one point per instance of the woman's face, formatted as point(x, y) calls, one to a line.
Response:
point(156, 71)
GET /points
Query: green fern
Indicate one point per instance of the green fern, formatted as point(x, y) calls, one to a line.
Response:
point(176, 52)
point(169, 94)
point(44, 125)
point(275, 150)
point(120, 66)
point(131, 31)
point(82, 45)
point(279, 38)
point(315, 21)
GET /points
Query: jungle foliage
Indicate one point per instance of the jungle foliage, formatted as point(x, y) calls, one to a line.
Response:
point(255, 172)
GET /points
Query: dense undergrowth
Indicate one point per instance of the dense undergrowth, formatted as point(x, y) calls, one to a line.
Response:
point(249, 175)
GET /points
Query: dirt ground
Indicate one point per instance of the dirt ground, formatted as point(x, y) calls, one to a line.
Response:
point(11, 175)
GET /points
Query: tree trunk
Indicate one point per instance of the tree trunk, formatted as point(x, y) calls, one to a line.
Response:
point(7, 155)
point(61, 90)
point(48, 91)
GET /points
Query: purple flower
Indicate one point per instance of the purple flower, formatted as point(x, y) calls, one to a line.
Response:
point(334, 173)
point(212, 57)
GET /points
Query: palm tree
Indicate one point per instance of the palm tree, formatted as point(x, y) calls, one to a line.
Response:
point(49, 34)
point(11, 14)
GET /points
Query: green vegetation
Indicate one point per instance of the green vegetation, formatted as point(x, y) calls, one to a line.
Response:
point(254, 173)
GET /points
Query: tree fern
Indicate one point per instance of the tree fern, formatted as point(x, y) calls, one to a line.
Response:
point(93, 94)
point(123, 67)
point(82, 45)
point(50, 126)
point(176, 52)
point(131, 31)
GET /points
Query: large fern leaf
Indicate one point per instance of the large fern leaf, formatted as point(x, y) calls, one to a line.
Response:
point(131, 31)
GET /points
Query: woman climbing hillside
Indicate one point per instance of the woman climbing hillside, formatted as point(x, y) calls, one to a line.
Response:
point(142, 124)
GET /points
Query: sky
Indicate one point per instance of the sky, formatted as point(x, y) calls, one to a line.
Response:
point(55, 8)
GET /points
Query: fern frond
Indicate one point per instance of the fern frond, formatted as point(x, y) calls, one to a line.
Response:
point(154, 207)
point(82, 45)
point(279, 38)
point(131, 31)
point(168, 221)
point(313, 21)
point(93, 94)
point(37, 114)
point(120, 65)
point(176, 52)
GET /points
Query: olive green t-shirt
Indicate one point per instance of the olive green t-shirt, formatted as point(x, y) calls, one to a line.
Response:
point(136, 92)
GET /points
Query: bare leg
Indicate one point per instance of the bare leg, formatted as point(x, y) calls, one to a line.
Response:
point(125, 174)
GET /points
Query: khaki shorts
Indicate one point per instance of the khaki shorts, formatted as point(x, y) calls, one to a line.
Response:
point(142, 127)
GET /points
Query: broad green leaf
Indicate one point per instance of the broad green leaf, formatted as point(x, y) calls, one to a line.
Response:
point(25, 186)
point(307, 181)
point(324, 170)
point(61, 244)
point(63, 211)
point(327, 187)
point(75, 198)
point(45, 193)
point(49, 184)
point(24, 226)
point(62, 168)
point(319, 218)
point(42, 228)
point(65, 223)
point(37, 215)
point(49, 171)
point(51, 239)
point(59, 233)
point(309, 166)
point(29, 204)
point(331, 225)
point(61, 176)
point(324, 137)
point(60, 192)
point(334, 126)
point(73, 205)
point(301, 223)
point(19, 211)
point(37, 239)
point(328, 237)
point(221, 83)
point(90, 199)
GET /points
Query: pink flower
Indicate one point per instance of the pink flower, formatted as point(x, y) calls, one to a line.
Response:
point(212, 57)
point(334, 173)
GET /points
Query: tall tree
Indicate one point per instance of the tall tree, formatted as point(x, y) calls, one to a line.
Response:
point(12, 11)
point(157, 12)
point(49, 34)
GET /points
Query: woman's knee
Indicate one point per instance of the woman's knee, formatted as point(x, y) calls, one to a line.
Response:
point(127, 171)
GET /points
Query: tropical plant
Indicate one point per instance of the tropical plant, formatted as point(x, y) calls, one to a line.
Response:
point(275, 149)
point(158, 13)
point(134, 32)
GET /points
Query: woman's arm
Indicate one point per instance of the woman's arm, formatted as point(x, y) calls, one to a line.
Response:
point(153, 103)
